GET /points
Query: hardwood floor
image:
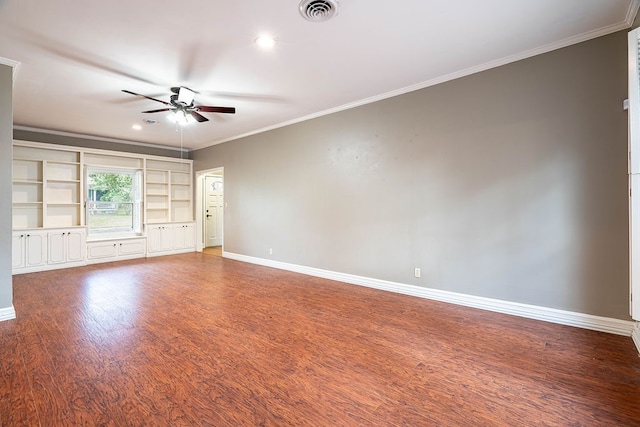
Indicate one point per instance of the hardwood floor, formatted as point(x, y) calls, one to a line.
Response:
point(213, 250)
point(199, 340)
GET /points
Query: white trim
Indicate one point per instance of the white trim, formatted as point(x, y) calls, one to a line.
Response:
point(15, 65)
point(97, 138)
point(636, 335)
point(200, 176)
point(631, 13)
point(7, 313)
point(563, 317)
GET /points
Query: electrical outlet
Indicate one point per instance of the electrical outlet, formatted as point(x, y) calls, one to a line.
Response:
point(416, 272)
point(270, 251)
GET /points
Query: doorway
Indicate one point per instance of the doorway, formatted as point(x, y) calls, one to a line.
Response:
point(213, 210)
point(210, 210)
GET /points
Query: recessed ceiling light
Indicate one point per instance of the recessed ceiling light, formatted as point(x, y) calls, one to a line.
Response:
point(266, 42)
point(136, 127)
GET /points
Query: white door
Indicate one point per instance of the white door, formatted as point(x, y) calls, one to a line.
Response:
point(213, 207)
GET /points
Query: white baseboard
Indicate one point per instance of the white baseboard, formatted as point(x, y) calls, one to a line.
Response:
point(7, 313)
point(563, 317)
point(636, 335)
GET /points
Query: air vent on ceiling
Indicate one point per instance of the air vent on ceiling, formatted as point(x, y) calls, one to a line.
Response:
point(318, 10)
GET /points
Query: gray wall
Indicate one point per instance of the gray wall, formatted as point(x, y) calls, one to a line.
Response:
point(6, 123)
point(95, 143)
point(508, 184)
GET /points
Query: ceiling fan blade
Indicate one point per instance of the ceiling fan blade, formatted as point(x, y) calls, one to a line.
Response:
point(158, 111)
point(145, 96)
point(198, 117)
point(211, 109)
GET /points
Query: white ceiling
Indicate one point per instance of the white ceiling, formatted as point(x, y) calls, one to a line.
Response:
point(76, 57)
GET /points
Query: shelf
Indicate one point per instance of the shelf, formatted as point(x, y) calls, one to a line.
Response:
point(27, 170)
point(56, 162)
point(179, 178)
point(25, 159)
point(64, 204)
point(26, 181)
point(157, 209)
point(26, 204)
point(62, 215)
point(28, 215)
point(180, 200)
point(65, 181)
point(62, 192)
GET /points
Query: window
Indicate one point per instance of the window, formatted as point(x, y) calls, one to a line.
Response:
point(114, 201)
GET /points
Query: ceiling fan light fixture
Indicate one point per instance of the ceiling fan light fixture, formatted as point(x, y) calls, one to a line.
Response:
point(181, 117)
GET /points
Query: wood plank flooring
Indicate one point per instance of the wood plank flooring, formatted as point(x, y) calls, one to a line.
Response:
point(198, 340)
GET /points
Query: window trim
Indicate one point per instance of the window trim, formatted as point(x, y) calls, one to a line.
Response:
point(137, 203)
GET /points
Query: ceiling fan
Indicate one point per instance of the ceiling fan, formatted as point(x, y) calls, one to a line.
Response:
point(183, 107)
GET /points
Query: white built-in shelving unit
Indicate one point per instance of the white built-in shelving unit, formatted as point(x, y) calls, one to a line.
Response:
point(168, 191)
point(48, 199)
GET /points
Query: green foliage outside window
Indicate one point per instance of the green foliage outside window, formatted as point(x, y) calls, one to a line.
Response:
point(113, 187)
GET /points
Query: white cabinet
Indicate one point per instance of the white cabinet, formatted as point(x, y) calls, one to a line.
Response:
point(47, 249)
point(66, 246)
point(116, 250)
point(171, 238)
point(159, 238)
point(184, 237)
point(29, 250)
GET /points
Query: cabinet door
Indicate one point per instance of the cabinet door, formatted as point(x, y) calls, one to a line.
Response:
point(17, 250)
point(189, 232)
point(160, 238)
point(179, 237)
point(102, 250)
point(184, 237)
point(75, 246)
point(190, 236)
point(35, 249)
point(57, 248)
point(166, 238)
point(131, 247)
point(153, 239)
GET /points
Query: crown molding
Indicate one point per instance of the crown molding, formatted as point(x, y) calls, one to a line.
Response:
point(97, 138)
